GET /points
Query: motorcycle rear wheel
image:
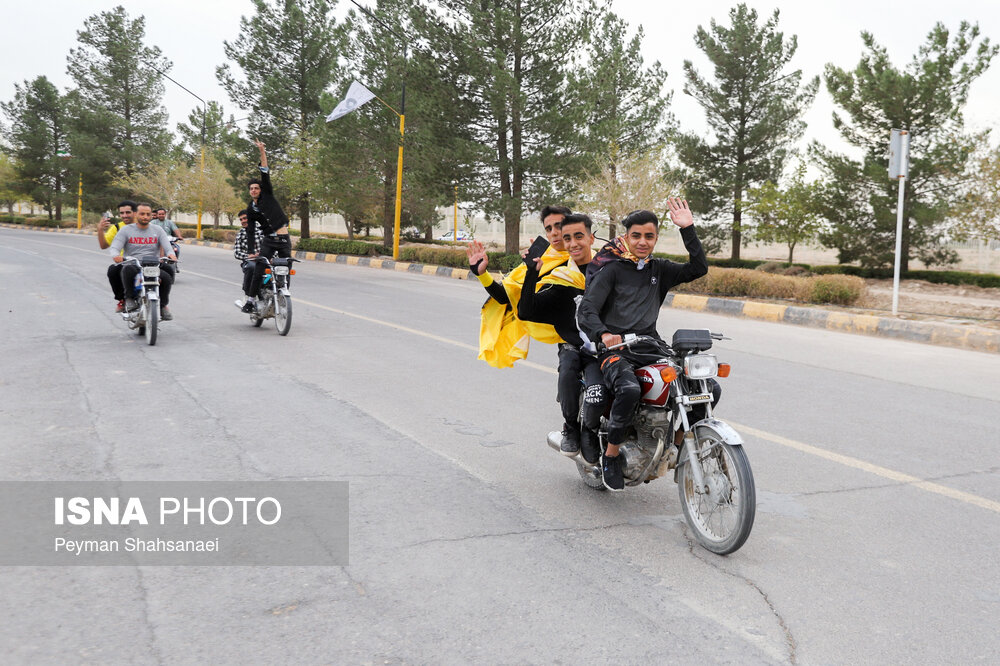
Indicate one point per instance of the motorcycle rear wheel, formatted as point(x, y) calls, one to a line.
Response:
point(152, 317)
point(722, 518)
point(282, 313)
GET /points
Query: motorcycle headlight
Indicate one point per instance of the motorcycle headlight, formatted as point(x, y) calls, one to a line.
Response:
point(701, 366)
point(281, 270)
point(151, 271)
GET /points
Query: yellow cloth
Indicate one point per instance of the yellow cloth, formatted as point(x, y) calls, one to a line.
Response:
point(503, 338)
point(111, 232)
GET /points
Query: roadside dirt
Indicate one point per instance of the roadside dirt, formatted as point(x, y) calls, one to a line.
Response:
point(919, 299)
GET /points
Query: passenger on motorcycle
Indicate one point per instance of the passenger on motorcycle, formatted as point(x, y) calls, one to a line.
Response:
point(144, 241)
point(169, 226)
point(264, 214)
point(555, 304)
point(625, 289)
point(245, 258)
point(106, 231)
point(503, 338)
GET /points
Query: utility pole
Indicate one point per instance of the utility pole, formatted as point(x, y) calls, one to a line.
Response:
point(899, 168)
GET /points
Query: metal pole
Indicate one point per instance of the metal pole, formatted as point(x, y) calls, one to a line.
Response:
point(899, 229)
point(79, 204)
point(201, 176)
point(455, 237)
point(399, 190)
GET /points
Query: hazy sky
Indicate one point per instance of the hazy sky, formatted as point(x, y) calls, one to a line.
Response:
point(38, 35)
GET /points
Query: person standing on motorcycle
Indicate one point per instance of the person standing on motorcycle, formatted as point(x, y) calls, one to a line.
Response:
point(625, 289)
point(241, 253)
point(106, 232)
point(555, 304)
point(264, 214)
point(144, 241)
point(503, 338)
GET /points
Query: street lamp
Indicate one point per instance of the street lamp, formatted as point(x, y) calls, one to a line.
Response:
point(402, 120)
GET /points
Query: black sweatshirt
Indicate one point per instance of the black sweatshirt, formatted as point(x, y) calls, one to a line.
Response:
point(622, 299)
point(553, 304)
point(266, 213)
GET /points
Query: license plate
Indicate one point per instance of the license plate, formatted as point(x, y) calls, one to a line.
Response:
point(151, 271)
point(281, 270)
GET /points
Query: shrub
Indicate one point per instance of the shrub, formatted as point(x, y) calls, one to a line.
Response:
point(771, 267)
point(835, 289)
point(218, 235)
point(795, 270)
point(337, 246)
point(434, 255)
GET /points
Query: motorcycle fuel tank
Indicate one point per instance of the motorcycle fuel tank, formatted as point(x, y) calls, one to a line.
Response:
point(654, 389)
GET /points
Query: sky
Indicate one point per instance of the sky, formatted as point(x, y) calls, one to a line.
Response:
point(38, 36)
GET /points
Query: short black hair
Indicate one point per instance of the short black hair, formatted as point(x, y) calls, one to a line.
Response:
point(640, 217)
point(131, 204)
point(577, 218)
point(555, 210)
point(253, 181)
point(159, 209)
point(143, 203)
point(242, 213)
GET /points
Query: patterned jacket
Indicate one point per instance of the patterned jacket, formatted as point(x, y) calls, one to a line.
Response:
point(240, 250)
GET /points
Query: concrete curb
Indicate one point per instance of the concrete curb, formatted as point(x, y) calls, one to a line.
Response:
point(951, 335)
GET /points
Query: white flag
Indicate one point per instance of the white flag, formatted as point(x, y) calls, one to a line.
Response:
point(357, 95)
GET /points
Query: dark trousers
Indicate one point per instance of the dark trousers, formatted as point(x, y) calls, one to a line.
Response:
point(129, 271)
point(572, 365)
point(115, 278)
point(619, 373)
point(247, 276)
point(272, 245)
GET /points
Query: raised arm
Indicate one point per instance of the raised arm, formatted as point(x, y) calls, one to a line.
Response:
point(478, 263)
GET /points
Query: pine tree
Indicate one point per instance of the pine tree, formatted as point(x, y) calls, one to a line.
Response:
point(515, 81)
point(288, 57)
point(753, 107)
point(38, 134)
point(926, 99)
point(625, 106)
point(118, 125)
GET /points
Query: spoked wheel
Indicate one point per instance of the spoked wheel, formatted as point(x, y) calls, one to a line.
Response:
point(282, 313)
point(722, 514)
point(152, 317)
point(591, 475)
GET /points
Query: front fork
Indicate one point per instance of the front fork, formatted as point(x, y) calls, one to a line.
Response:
point(690, 441)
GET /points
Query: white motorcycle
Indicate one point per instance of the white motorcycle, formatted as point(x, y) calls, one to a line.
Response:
point(145, 316)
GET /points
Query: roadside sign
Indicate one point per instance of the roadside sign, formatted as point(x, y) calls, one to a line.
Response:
point(899, 154)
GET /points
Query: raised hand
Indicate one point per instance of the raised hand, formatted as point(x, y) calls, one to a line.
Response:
point(680, 214)
point(476, 252)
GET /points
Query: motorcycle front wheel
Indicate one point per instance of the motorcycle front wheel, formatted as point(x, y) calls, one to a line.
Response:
point(152, 317)
point(282, 313)
point(722, 515)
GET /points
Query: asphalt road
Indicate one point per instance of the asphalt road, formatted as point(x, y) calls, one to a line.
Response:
point(876, 463)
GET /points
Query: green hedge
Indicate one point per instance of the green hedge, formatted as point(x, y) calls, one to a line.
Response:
point(337, 246)
point(434, 255)
point(37, 221)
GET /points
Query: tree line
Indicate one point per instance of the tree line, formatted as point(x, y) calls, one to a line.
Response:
point(517, 105)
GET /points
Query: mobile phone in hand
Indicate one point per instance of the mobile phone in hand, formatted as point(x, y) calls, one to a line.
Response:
point(536, 250)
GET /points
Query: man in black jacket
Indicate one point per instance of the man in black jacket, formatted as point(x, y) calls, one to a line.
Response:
point(264, 214)
point(625, 289)
point(555, 304)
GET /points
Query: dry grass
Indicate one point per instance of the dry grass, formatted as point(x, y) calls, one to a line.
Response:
point(743, 283)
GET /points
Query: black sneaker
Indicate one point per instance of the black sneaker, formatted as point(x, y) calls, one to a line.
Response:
point(614, 478)
point(590, 446)
point(131, 304)
point(570, 444)
point(165, 313)
point(248, 307)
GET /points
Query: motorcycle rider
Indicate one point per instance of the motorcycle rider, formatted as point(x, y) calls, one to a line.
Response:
point(240, 252)
point(106, 232)
point(264, 214)
point(503, 338)
point(625, 289)
point(144, 241)
point(160, 220)
point(555, 304)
